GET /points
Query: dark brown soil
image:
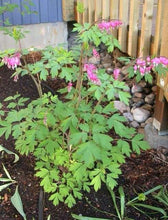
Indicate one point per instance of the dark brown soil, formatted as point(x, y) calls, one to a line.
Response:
point(139, 174)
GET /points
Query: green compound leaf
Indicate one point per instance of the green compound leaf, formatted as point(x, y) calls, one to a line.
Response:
point(88, 152)
point(138, 143)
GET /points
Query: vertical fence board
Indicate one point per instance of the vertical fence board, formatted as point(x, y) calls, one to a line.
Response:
point(79, 15)
point(133, 27)
point(123, 16)
point(98, 9)
point(86, 12)
point(114, 14)
point(146, 28)
point(105, 9)
point(67, 10)
point(91, 11)
point(158, 30)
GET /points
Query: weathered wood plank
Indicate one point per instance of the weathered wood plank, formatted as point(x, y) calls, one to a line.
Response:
point(105, 9)
point(123, 16)
point(67, 10)
point(146, 28)
point(86, 12)
point(133, 28)
point(98, 9)
point(114, 14)
point(79, 15)
point(158, 29)
point(91, 11)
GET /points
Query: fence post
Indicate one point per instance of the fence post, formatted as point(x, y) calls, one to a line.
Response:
point(161, 107)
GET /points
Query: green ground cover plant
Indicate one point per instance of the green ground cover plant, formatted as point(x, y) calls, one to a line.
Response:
point(77, 137)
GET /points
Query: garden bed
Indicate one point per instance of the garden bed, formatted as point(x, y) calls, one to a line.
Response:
point(139, 174)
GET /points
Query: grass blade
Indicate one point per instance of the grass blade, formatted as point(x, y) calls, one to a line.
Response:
point(122, 200)
point(4, 186)
point(17, 203)
point(145, 193)
point(9, 152)
point(7, 173)
point(78, 217)
point(115, 204)
point(5, 180)
point(157, 209)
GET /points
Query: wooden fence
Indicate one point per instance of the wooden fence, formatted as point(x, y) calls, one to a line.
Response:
point(141, 22)
point(143, 33)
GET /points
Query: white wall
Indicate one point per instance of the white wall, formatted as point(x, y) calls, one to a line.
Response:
point(39, 36)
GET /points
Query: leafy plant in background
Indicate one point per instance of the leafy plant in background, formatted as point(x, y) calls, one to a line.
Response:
point(141, 68)
point(68, 133)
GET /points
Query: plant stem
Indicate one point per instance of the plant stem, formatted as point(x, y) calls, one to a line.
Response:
point(98, 103)
point(37, 83)
point(80, 79)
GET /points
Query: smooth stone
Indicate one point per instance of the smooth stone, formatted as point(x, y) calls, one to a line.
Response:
point(149, 120)
point(141, 131)
point(154, 88)
point(140, 115)
point(106, 65)
point(142, 84)
point(142, 125)
point(121, 106)
point(147, 91)
point(136, 88)
point(110, 70)
point(150, 98)
point(147, 107)
point(134, 124)
point(128, 116)
point(94, 60)
point(138, 95)
point(136, 99)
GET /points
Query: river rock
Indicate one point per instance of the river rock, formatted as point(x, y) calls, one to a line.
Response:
point(134, 124)
point(154, 89)
point(138, 95)
point(140, 115)
point(128, 116)
point(150, 98)
point(147, 107)
point(136, 88)
point(121, 106)
point(94, 60)
point(106, 65)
